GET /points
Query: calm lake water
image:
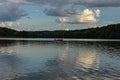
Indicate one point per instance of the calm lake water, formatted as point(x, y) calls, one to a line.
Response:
point(40, 59)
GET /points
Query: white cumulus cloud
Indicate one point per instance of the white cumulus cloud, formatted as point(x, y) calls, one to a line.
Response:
point(87, 16)
point(10, 9)
point(97, 12)
point(6, 24)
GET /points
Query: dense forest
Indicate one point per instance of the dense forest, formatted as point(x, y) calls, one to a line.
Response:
point(106, 32)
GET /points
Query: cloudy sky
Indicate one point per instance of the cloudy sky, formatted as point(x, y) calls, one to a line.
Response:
point(58, 14)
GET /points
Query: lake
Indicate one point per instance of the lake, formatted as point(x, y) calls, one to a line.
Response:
point(71, 59)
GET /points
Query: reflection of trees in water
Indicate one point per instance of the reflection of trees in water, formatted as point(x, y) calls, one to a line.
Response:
point(115, 44)
point(6, 43)
point(77, 60)
point(63, 67)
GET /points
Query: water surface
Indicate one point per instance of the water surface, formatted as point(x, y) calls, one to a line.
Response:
point(30, 59)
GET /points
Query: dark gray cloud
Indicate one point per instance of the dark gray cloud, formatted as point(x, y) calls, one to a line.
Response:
point(98, 3)
point(56, 12)
point(91, 3)
point(61, 12)
point(47, 2)
point(58, 6)
point(10, 11)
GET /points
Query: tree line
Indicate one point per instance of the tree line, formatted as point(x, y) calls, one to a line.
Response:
point(106, 32)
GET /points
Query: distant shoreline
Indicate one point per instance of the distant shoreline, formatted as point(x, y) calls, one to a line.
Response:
point(64, 39)
point(106, 32)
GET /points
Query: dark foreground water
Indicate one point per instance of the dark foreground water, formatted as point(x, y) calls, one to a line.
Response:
point(67, 60)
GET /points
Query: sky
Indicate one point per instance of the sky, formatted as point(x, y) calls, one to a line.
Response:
point(41, 15)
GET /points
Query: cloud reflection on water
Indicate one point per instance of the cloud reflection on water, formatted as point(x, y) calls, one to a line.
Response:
point(36, 60)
